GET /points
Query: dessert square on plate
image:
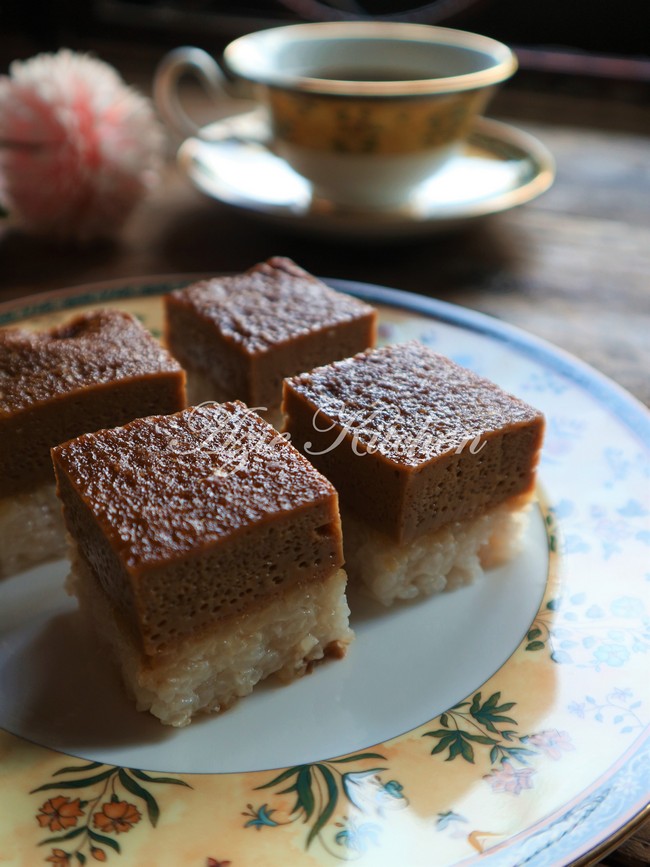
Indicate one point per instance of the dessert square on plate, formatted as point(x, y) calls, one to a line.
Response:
point(239, 336)
point(433, 464)
point(100, 369)
point(207, 551)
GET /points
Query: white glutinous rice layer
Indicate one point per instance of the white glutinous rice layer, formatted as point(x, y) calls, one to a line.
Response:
point(449, 557)
point(31, 529)
point(211, 672)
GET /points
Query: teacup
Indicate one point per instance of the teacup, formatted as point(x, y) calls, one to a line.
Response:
point(365, 111)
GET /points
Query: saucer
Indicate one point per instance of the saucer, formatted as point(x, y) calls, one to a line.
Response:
point(497, 168)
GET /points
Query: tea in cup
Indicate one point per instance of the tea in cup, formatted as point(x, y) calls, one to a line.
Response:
point(366, 111)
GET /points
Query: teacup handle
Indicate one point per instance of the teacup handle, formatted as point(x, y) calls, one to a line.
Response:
point(175, 64)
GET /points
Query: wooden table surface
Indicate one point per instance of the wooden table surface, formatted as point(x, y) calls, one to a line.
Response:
point(572, 267)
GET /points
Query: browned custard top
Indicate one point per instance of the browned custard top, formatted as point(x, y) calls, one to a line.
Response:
point(407, 403)
point(163, 486)
point(93, 349)
point(273, 302)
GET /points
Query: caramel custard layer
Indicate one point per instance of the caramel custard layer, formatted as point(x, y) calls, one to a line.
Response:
point(412, 440)
point(191, 518)
point(272, 302)
point(100, 370)
point(247, 332)
point(93, 349)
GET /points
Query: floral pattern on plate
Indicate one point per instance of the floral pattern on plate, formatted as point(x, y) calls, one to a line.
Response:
point(89, 824)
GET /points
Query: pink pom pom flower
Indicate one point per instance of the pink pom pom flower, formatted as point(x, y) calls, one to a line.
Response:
point(78, 147)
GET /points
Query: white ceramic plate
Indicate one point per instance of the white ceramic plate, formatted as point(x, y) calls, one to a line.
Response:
point(505, 723)
point(497, 168)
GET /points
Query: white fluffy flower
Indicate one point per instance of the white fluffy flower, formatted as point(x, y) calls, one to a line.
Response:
point(78, 148)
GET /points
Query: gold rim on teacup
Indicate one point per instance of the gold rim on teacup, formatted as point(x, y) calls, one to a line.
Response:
point(254, 57)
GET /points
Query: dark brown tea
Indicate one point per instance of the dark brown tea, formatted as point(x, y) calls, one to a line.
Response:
point(370, 74)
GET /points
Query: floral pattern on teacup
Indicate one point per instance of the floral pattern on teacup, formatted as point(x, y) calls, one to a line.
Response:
point(349, 125)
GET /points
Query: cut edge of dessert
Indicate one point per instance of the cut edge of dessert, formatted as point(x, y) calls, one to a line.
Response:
point(433, 510)
point(453, 556)
point(196, 618)
point(284, 640)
